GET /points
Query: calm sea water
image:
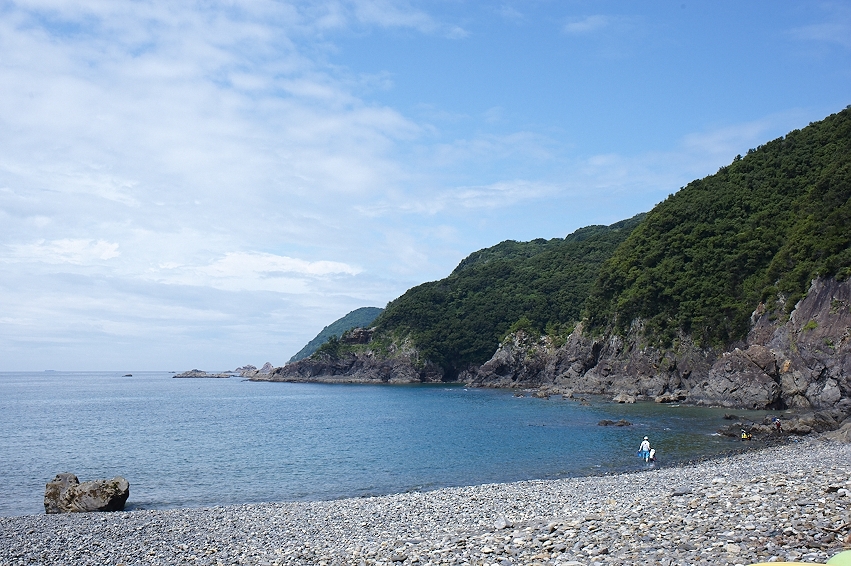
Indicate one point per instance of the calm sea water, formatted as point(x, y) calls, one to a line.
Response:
point(204, 442)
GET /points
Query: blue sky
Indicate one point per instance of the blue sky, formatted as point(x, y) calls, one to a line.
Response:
point(209, 184)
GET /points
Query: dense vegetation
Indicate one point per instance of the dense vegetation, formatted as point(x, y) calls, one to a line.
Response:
point(539, 285)
point(362, 317)
point(700, 262)
point(766, 224)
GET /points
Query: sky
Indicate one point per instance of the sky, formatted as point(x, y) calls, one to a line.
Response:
point(209, 184)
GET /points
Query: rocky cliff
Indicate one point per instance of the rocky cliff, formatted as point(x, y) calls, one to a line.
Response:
point(395, 364)
point(802, 360)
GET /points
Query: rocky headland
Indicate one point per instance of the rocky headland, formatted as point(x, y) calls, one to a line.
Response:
point(799, 361)
point(400, 364)
point(785, 503)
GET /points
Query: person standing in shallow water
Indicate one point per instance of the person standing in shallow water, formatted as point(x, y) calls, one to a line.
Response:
point(644, 449)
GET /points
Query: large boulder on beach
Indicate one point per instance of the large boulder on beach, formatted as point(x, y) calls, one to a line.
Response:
point(842, 434)
point(65, 494)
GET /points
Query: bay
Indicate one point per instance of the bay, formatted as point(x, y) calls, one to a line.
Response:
point(207, 442)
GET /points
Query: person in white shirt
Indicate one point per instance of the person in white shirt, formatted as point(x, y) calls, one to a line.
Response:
point(644, 449)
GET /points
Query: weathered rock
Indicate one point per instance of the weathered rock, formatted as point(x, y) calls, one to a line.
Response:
point(403, 365)
point(671, 397)
point(736, 381)
point(197, 373)
point(521, 360)
point(607, 422)
point(800, 361)
point(819, 421)
point(842, 434)
point(623, 398)
point(65, 494)
point(246, 370)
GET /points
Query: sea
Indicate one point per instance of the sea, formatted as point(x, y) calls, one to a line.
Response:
point(209, 442)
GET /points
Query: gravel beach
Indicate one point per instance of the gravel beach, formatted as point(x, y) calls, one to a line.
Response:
point(785, 503)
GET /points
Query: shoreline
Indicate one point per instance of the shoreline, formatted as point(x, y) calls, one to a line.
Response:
point(785, 502)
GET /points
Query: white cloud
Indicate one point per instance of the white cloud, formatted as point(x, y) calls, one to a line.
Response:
point(496, 195)
point(256, 190)
point(239, 263)
point(66, 250)
point(586, 25)
point(253, 271)
point(834, 29)
point(186, 132)
point(698, 154)
point(832, 32)
point(510, 13)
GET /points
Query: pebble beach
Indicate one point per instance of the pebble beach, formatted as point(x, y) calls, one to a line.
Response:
point(784, 503)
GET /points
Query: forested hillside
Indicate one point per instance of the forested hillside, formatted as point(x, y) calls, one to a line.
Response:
point(759, 230)
point(540, 285)
point(361, 317)
point(703, 259)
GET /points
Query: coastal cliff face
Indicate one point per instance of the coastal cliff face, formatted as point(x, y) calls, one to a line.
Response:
point(802, 360)
point(400, 365)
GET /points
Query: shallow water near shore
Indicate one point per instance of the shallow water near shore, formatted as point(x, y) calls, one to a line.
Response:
point(205, 442)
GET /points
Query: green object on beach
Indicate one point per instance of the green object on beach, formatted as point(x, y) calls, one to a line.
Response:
point(841, 559)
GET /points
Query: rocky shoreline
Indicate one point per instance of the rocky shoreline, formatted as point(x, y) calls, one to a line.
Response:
point(790, 502)
point(799, 361)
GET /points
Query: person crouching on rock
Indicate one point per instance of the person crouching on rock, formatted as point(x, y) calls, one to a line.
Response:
point(644, 449)
point(745, 435)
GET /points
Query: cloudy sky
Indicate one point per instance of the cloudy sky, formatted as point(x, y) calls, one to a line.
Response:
point(208, 184)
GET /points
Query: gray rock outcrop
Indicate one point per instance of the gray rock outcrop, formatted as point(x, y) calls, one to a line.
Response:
point(353, 368)
point(842, 434)
point(197, 373)
point(401, 364)
point(65, 494)
point(800, 361)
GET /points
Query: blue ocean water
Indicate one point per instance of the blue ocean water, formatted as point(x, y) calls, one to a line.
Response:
point(204, 442)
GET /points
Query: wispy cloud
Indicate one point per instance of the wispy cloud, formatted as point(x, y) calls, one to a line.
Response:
point(510, 13)
point(496, 195)
point(237, 264)
point(241, 173)
point(587, 25)
point(66, 250)
point(838, 33)
point(252, 271)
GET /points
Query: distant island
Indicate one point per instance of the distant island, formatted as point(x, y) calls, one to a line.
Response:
point(197, 373)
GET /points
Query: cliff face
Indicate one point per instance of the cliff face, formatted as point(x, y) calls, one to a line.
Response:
point(401, 365)
point(799, 361)
point(353, 368)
